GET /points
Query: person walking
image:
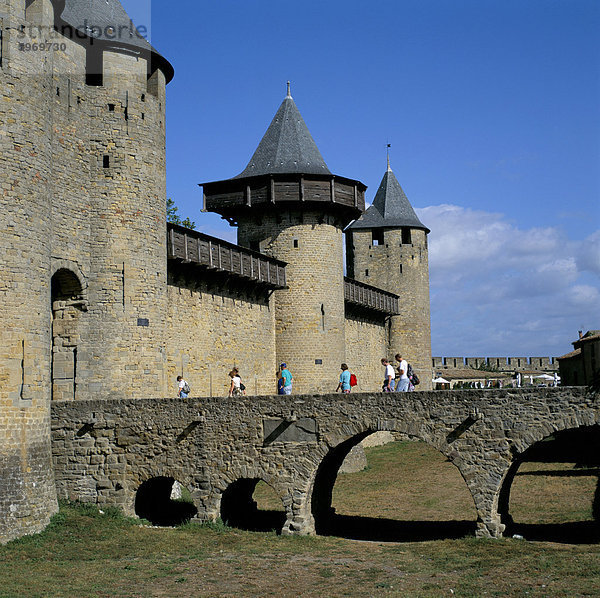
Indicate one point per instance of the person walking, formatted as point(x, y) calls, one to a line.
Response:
point(287, 379)
point(403, 381)
point(235, 389)
point(344, 384)
point(183, 388)
point(390, 376)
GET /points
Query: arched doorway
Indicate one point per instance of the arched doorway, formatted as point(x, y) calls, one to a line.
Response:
point(408, 492)
point(251, 504)
point(552, 490)
point(67, 307)
point(165, 502)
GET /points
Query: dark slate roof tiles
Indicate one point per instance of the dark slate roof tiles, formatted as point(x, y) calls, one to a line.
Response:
point(390, 208)
point(108, 22)
point(287, 147)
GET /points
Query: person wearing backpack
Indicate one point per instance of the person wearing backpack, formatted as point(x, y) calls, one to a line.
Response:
point(344, 384)
point(183, 388)
point(403, 382)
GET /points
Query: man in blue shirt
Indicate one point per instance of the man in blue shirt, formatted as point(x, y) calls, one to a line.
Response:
point(287, 379)
point(344, 379)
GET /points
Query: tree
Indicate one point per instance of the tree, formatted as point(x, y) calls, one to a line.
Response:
point(174, 218)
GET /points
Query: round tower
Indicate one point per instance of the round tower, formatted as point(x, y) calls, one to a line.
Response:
point(27, 494)
point(82, 194)
point(288, 205)
point(387, 247)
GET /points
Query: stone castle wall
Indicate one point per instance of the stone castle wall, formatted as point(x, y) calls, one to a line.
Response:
point(212, 330)
point(88, 310)
point(367, 341)
point(27, 497)
point(400, 267)
point(503, 364)
point(83, 257)
point(309, 314)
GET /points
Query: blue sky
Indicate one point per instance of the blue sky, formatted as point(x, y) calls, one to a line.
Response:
point(492, 108)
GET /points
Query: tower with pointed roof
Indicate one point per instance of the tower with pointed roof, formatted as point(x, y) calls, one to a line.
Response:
point(287, 204)
point(387, 247)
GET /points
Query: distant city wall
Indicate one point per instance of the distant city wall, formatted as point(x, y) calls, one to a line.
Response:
point(503, 364)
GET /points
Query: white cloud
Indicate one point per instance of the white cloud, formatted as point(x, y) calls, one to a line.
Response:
point(498, 288)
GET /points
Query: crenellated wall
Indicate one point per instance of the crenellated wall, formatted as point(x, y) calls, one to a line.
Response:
point(503, 364)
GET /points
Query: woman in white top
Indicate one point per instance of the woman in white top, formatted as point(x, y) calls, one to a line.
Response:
point(236, 381)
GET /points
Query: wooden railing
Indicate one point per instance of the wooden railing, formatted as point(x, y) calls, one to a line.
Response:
point(189, 246)
point(364, 295)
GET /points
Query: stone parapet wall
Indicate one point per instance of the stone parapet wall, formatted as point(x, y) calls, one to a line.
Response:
point(503, 364)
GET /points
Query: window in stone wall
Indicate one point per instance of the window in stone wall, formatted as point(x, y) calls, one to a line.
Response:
point(406, 236)
point(377, 237)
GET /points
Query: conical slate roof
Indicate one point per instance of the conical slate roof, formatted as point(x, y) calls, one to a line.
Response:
point(106, 23)
point(287, 146)
point(390, 207)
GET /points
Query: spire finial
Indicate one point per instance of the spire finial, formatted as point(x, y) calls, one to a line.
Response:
point(289, 93)
point(388, 157)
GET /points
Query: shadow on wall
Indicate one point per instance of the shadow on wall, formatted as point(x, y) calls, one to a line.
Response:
point(163, 502)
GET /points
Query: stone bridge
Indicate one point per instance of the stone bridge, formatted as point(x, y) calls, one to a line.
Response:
point(107, 452)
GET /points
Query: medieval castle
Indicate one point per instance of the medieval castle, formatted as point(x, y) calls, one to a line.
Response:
point(101, 299)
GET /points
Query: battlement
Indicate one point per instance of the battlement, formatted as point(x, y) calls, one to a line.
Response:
point(502, 364)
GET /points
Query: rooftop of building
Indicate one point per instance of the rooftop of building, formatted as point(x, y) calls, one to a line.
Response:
point(106, 24)
point(390, 209)
point(287, 146)
point(571, 354)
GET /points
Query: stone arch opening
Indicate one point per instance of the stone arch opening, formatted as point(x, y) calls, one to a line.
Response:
point(551, 492)
point(164, 501)
point(67, 306)
point(240, 509)
point(372, 519)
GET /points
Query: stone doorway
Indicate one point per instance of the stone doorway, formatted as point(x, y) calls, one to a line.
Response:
point(68, 305)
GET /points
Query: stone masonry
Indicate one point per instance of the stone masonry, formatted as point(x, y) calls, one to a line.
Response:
point(93, 307)
point(105, 450)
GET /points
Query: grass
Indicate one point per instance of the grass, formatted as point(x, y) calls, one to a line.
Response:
point(86, 553)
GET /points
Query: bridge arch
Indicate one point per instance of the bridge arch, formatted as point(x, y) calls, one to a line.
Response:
point(239, 508)
point(576, 441)
point(157, 501)
point(319, 506)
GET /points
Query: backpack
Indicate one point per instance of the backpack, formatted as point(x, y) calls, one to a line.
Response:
point(353, 380)
point(186, 388)
point(412, 376)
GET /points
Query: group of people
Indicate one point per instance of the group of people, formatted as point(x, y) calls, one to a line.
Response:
point(399, 381)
